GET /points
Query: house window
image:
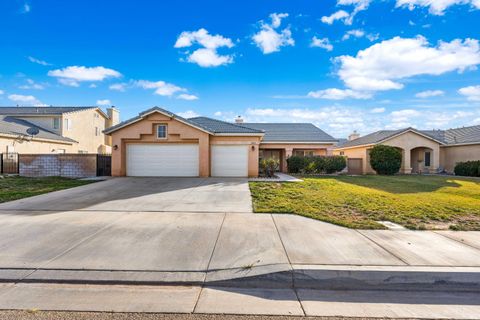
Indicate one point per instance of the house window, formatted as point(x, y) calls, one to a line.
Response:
point(303, 153)
point(427, 158)
point(56, 123)
point(60, 150)
point(342, 153)
point(97, 132)
point(162, 131)
point(67, 124)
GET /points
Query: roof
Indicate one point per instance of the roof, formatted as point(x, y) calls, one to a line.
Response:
point(291, 132)
point(17, 111)
point(19, 127)
point(218, 126)
point(444, 137)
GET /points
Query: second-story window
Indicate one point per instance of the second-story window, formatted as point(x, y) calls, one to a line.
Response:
point(56, 123)
point(162, 131)
point(67, 124)
point(97, 132)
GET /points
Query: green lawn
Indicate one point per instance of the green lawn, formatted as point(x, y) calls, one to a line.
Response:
point(416, 202)
point(13, 188)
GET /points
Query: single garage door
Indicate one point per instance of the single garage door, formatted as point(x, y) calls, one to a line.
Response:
point(229, 161)
point(162, 160)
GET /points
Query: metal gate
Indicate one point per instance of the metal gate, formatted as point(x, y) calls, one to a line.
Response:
point(104, 165)
point(9, 163)
point(355, 166)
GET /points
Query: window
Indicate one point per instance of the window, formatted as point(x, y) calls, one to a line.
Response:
point(162, 131)
point(427, 158)
point(82, 151)
point(56, 123)
point(97, 132)
point(342, 153)
point(303, 153)
point(67, 124)
point(60, 150)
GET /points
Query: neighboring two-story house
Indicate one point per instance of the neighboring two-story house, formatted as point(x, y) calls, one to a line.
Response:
point(56, 129)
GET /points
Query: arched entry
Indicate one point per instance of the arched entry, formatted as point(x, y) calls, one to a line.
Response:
point(421, 160)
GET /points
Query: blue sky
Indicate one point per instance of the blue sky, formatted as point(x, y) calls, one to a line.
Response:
point(344, 65)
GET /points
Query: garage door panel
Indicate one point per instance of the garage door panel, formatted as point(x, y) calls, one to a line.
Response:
point(229, 161)
point(163, 160)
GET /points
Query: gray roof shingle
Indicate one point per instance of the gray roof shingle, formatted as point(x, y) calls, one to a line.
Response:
point(447, 137)
point(19, 127)
point(17, 111)
point(291, 132)
point(218, 126)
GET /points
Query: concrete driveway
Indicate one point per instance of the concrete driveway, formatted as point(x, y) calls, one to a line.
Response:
point(210, 195)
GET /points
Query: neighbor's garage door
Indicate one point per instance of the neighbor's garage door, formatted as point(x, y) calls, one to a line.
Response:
point(162, 160)
point(229, 161)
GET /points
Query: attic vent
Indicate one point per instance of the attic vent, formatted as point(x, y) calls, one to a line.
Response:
point(239, 119)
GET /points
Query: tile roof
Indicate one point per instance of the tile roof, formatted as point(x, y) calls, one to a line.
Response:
point(291, 132)
point(40, 110)
point(218, 126)
point(447, 137)
point(19, 127)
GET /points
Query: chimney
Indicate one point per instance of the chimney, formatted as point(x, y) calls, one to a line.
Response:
point(354, 135)
point(113, 116)
point(239, 119)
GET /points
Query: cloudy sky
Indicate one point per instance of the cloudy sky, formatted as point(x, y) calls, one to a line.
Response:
point(342, 64)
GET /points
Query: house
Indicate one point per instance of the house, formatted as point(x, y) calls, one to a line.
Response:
point(160, 143)
point(55, 129)
point(423, 151)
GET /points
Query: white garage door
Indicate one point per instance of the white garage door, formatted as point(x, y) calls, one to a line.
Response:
point(229, 161)
point(162, 160)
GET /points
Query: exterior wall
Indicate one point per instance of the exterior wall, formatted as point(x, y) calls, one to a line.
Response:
point(64, 165)
point(82, 129)
point(287, 150)
point(23, 146)
point(252, 142)
point(411, 140)
point(417, 159)
point(144, 132)
point(44, 122)
point(452, 154)
point(359, 153)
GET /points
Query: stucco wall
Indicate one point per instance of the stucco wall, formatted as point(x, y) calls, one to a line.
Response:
point(358, 153)
point(82, 129)
point(24, 146)
point(44, 122)
point(453, 154)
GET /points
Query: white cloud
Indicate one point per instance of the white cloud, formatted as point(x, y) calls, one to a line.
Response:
point(104, 102)
point(339, 15)
point(436, 7)
point(38, 61)
point(2, 92)
point(118, 86)
point(429, 93)
point(269, 39)
point(26, 8)
point(380, 66)
point(72, 75)
point(188, 114)
point(162, 88)
point(185, 96)
point(428, 119)
point(92, 85)
point(321, 43)
point(378, 110)
point(357, 33)
point(207, 56)
point(32, 85)
point(338, 94)
point(24, 99)
point(471, 92)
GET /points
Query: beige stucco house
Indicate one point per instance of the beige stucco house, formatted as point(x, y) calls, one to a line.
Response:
point(423, 151)
point(55, 129)
point(160, 143)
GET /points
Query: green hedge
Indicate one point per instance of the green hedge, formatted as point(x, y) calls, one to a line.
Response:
point(468, 168)
point(316, 164)
point(385, 159)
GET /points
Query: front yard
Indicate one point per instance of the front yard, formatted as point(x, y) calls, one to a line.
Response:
point(13, 188)
point(416, 202)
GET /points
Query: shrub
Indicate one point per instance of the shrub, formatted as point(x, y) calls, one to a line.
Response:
point(385, 159)
point(468, 168)
point(316, 164)
point(268, 166)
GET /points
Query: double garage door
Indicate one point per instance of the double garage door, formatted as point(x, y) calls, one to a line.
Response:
point(182, 160)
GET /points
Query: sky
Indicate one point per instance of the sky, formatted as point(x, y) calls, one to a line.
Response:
point(343, 65)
